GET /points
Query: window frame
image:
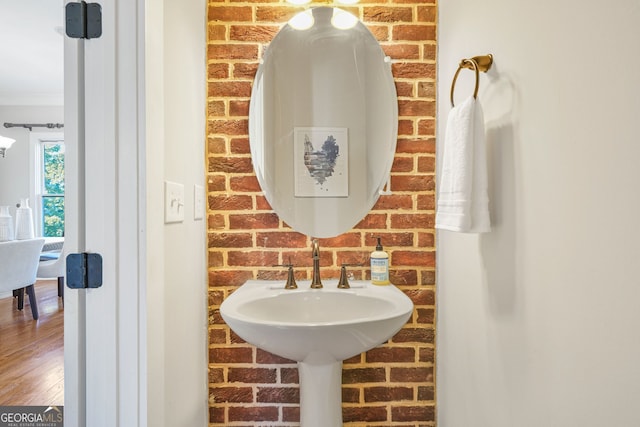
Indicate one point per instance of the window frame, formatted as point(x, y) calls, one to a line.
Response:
point(37, 141)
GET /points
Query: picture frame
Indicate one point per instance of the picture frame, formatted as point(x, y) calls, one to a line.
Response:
point(321, 161)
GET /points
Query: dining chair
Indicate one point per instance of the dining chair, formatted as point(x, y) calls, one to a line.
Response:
point(18, 267)
point(52, 265)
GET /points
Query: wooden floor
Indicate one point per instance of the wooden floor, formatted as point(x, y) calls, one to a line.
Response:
point(31, 352)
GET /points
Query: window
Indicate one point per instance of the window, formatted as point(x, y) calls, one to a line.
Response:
point(47, 183)
point(52, 189)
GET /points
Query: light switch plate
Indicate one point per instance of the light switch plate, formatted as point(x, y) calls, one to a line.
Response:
point(198, 201)
point(173, 202)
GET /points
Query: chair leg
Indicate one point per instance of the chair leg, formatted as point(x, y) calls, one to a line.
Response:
point(20, 294)
point(32, 301)
point(61, 286)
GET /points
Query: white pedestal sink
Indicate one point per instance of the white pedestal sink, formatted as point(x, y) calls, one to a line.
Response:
point(318, 328)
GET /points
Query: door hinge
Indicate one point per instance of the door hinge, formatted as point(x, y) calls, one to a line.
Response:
point(83, 20)
point(84, 270)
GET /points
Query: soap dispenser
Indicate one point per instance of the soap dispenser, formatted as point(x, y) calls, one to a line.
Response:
point(380, 266)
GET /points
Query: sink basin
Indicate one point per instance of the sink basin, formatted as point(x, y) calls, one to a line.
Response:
point(318, 328)
point(327, 323)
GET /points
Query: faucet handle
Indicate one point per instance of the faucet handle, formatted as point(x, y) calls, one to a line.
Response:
point(291, 280)
point(343, 283)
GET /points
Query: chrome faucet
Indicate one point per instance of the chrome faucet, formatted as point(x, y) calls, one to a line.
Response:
point(316, 283)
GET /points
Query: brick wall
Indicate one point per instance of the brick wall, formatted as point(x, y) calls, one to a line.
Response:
point(392, 385)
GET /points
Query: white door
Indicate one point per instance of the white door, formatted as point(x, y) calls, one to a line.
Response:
point(104, 361)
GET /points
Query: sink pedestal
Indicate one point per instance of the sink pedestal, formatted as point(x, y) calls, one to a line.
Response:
point(320, 393)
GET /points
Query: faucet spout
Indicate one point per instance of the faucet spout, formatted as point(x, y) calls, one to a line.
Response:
point(316, 283)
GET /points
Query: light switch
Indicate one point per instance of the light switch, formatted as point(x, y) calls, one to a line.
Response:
point(173, 202)
point(198, 201)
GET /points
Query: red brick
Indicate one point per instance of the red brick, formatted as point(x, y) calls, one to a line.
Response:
point(216, 415)
point(215, 222)
point(245, 70)
point(426, 240)
point(417, 108)
point(393, 201)
point(278, 395)
point(291, 413)
point(413, 182)
point(402, 164)
point(253, 33)
point(216, 375)
point(426, 145)
point(253, 221)
point(426, 393)
point(414, 70)
point(387, 14)
point(403, 277)
point(289, 375)
point(244, 184)
point(230, 203)
point(427, 14)
point(350, 395)
point(232, 394)
point(216, 109)
point(363, 375)
point(425, 316)
point(428, 277)
point(216, 32)
point(217, 71)
point(402, 51)
point(259, 413)
point(238, 108)
point(380, 32)
point(373, 221)
point(229, 13)
point(405, 127)
point(364, 413)
point(411, 375)
point(216, 183)
point(427, 89)
point(413, 413)
point(228, 127)
point(414, 32)
point(230, 240)
point(404, 221)
point(275, 14)
point(236, 89)
point(387, 394)
point(232, 51)
point(345, 240)
point(217, 336)
point(427, 355)
point(281, 239)
point(415, 335)
point(251, 258)
point(404, 89)
point(228, 278)
point(413, 258)
point(426, 202)
point(240, 146)
point(252, 375)
point(216, 145)
point(391, 354)
point(427, 127)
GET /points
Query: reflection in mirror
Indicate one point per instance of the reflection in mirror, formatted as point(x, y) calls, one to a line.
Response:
point(323, 122)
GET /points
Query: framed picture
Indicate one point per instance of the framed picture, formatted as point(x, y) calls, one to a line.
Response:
point(321, 161)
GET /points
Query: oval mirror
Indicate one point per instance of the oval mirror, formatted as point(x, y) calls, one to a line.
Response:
point(323, 122)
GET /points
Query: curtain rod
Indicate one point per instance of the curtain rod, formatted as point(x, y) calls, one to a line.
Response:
point(30, 126)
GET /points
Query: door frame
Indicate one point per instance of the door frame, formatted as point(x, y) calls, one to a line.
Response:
point(105, 328)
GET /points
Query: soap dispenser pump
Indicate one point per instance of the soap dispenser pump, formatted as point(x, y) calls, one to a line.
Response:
point(380, 266)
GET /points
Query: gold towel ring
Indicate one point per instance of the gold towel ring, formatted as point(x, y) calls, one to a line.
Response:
point(477, 63)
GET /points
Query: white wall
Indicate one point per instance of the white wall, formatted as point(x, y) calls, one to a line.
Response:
point(15, 166)
point(177, 298)
point(538, 320)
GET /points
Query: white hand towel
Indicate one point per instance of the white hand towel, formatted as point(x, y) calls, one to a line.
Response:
point(463, 201)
